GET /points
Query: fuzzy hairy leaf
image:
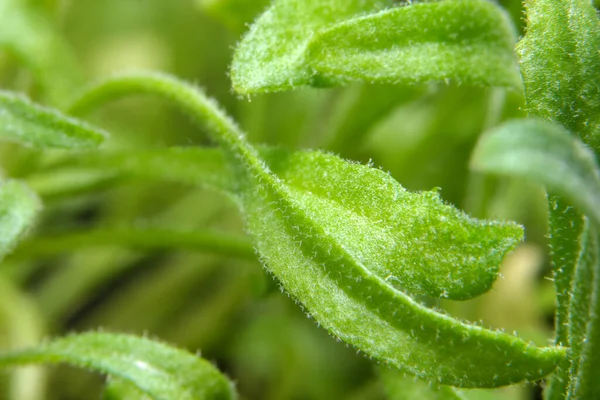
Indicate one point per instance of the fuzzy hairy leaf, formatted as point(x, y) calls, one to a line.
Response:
point(301, 231)
point(27, 123)
point(18, 209)
point(546, 153)
point(390, 230)
point(560, 63)
point(160, 371)
point(469, 41)
point(412, 240)
point(271, 55)
point(27, 33)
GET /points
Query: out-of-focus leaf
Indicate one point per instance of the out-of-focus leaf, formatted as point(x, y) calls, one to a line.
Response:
point(18, 208)
point(160, 371)
point(470, 41)
point(25, 122)
point(271, 55)
point(545, 153)
point(29, 34)
point(21, 325)
point(361, 107)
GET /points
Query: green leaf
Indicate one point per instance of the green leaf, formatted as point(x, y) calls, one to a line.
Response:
point(469, 41)
point(18, 208)
point(560, 63)
point(271, 55)
point(389, 217)
point(418, 219)
point(27, 123)
point(412, 240)
point(160, 371)
point(545, 153)
point(324, 237)
point(28, 34)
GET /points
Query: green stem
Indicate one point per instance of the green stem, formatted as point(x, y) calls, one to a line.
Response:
point(203, 110)
point(566, 231)
point(584, 328)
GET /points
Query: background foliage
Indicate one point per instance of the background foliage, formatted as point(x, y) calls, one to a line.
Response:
point(84, 265)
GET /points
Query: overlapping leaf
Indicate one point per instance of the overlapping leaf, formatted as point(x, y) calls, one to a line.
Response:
point(546, 153)
point(27, 123)
point(319, 224)
point(469, 41)
point(160, 371)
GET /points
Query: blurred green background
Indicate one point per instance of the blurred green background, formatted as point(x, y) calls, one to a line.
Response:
point(229, 309)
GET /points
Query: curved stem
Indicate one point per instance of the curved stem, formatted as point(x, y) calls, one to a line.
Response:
point(203, 110)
